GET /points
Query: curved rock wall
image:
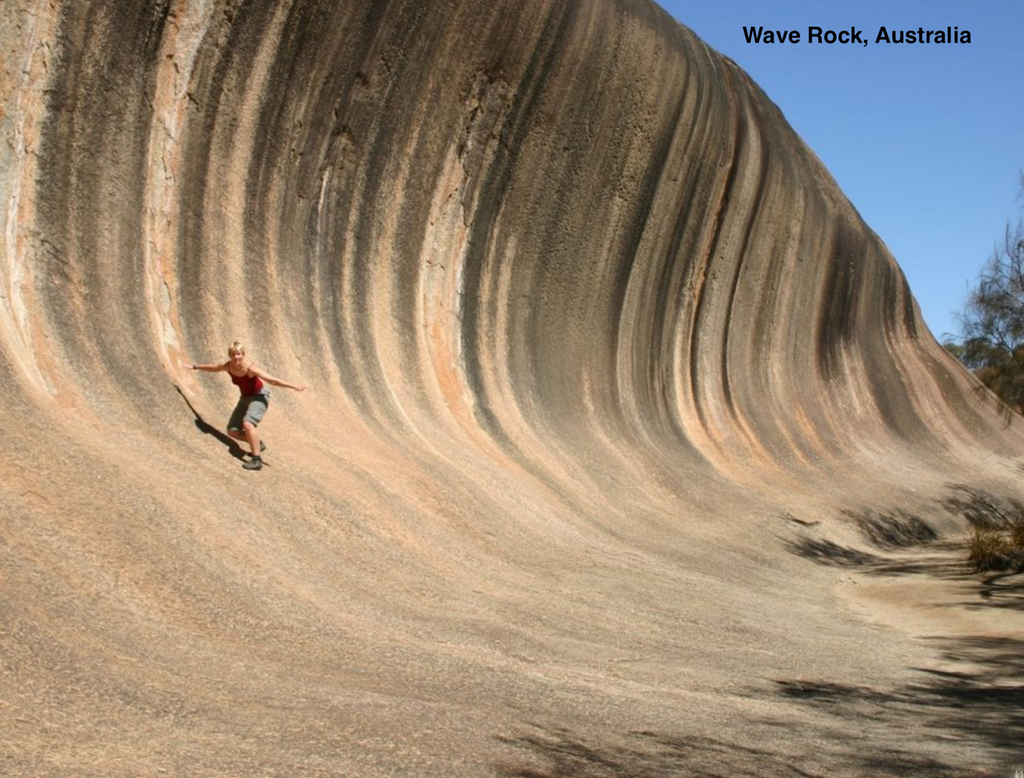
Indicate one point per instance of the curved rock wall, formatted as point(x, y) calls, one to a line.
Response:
point(557, 218)
point(581, 314)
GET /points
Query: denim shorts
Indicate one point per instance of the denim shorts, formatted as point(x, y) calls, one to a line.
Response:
point(250, 408)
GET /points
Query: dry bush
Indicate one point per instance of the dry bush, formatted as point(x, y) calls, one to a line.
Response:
point(1017, 534)
point(1001, 549)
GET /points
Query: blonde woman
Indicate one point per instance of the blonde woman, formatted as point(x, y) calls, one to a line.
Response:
point(252, 405)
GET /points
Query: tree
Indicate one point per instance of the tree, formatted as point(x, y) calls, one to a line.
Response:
point(992, 322)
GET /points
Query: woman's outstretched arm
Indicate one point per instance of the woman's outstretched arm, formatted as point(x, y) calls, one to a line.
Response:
point(207, 368)
point(273, 381)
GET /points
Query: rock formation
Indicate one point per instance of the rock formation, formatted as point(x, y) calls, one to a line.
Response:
point(612, 391)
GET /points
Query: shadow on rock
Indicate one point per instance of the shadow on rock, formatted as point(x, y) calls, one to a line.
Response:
point(1005, 590)
point(982, 509)
point(898, 529)
point(983, 707)
point(559, 753)
point(926, 555)
point(887, 532)
point(825, 552)
point(208, 429)
point(852, 731)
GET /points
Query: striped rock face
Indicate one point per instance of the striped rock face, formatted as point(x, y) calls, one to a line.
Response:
point(627, 451)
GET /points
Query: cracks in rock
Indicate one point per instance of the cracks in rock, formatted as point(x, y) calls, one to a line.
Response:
point(481, 136)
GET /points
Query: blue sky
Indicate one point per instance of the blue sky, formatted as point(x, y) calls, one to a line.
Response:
point(926, 140)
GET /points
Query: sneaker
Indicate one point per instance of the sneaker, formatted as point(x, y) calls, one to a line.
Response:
point(254, 464)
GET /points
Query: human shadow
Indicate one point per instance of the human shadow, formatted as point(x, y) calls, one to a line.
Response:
point(208, 429)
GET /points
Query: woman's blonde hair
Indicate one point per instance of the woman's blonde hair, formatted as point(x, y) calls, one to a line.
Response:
point(236, 348)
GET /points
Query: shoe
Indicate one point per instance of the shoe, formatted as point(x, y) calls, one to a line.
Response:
point(254, 464)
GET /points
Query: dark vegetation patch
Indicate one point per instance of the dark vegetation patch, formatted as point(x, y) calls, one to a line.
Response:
point(996, 541)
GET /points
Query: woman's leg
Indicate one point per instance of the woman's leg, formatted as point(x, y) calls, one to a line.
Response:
point(235, 424)
point(251, 435)
point(243, 424)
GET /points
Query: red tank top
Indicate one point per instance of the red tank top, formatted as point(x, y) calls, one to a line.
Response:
point(247, 385)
